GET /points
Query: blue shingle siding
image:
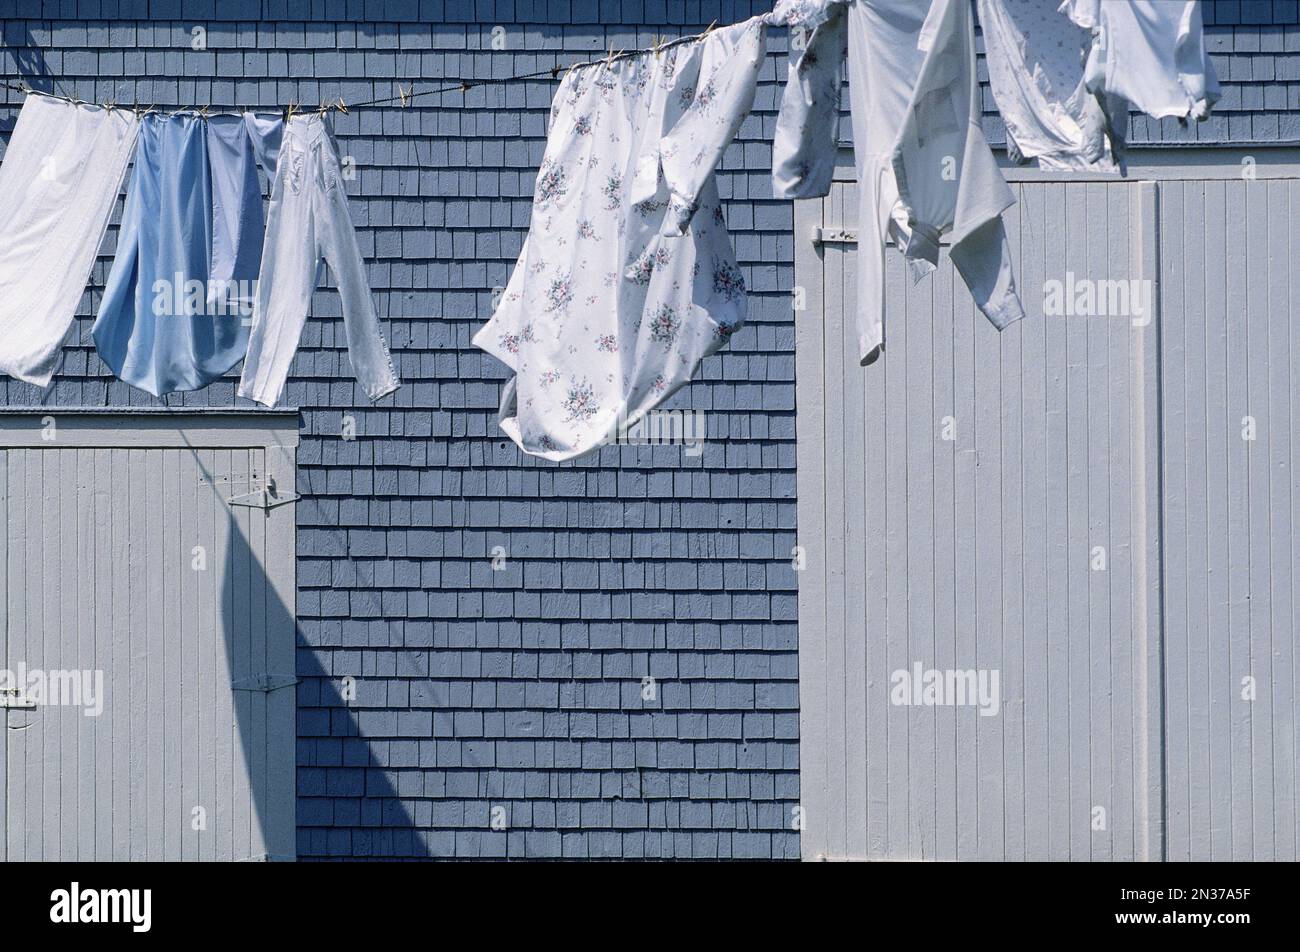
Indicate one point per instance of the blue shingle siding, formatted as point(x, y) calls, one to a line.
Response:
point(518, 688)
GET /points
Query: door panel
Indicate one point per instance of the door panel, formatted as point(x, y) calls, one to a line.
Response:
point(982, 502)
point(130, 563)
point(1231, 447)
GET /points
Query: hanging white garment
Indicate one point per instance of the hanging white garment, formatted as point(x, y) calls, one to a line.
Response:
point(1150, 53)
point(1035, 61)
point(923, 166)
point(61, 175)
point(627, 279)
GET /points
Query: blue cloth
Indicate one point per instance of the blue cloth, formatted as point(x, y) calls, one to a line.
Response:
point(236, 144)
point(237, 222)
point(178, 301)
point(265, 132)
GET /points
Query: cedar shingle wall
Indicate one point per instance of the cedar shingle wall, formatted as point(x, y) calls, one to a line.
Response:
point(522, 687)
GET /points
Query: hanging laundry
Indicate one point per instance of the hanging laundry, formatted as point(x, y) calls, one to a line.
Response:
point(307, 225)
point(61, 175)
point(265, 133)
point(237, 223)
point(1035, 62)
point(1148, 54)
point(177, 302)
point(627, 279)
point(923, 166)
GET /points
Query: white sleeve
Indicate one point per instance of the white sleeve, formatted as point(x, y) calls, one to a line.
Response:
point(807, 135)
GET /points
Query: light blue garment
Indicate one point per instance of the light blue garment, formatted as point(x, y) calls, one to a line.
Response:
point(178, 301)
point(237, 223)
point(153, 329)
point(265, 133)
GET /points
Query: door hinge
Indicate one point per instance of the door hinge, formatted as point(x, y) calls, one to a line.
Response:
point(834, 236)
point(14, 699)
point(265, 683)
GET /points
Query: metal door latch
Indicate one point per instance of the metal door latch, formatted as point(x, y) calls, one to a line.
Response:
point(266, 495)
point(834, 236)
point(13, 698)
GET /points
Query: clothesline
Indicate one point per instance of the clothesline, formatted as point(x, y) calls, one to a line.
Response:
point(404, 95)
point(627, 280)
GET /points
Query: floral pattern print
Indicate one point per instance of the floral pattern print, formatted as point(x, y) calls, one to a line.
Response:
point(728, 281)
point(580, 404)
point(551, 184)
point(511, 342)
point(560, 294)
point(613, 192)
point(627, 266)
point(665, 324)
point(644, 267)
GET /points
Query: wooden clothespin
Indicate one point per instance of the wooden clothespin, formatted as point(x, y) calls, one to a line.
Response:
point(203, 110)
point(290, 109)
point(465, 86)
point(341, 106)
point(405, 94)
point(657, 42)
point(711, 26)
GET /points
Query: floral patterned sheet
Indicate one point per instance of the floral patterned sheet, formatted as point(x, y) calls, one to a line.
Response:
point(627, 279)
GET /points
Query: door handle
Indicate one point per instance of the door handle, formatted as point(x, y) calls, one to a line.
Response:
point(13, 698)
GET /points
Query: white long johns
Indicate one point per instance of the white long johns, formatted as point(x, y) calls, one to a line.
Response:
point(61, 175)
point(308, 224)
point(924, 168)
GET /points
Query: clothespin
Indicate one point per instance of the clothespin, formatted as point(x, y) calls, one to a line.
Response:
point(203, 110)
point(110, 104)
point(711, 26)
point(465, 86)
point(290, 109)
point(405, 94)
point(342, 106)
point(609, 60)
point(657, 42)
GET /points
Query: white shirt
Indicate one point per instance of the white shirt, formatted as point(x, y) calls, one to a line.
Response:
point(924, 168)
point(1150, 53)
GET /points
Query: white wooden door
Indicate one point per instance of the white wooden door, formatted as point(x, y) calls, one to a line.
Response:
point(148, 628)
point(1067, 504)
